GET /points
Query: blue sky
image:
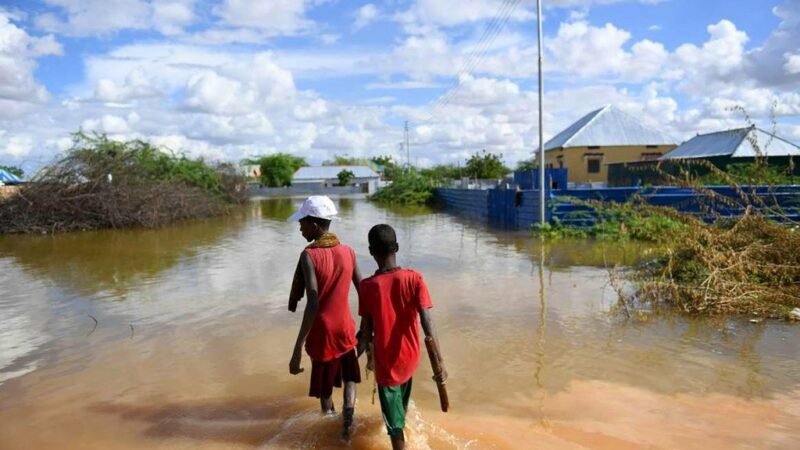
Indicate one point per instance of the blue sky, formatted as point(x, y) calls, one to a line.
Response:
point(234, 78)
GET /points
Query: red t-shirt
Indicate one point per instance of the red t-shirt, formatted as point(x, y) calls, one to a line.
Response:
point(392, 299)
point(334, 331)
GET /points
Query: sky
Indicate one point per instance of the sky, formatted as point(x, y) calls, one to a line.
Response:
point(231, 79)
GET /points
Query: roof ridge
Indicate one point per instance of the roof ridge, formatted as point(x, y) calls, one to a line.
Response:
point(597, 113)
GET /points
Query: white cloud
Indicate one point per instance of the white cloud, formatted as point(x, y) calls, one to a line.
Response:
point(136, 86)
point(329, 38)
point(312, 111)
point(718, 60)
point(91, 17)
point(588, 51)
point(792, 65)
point(365, 15)
point(654, 28)
point(273, 16)
point(18, 51)
point(217, 94)
point(767, 63)
point(454, 12)
point(16, 146)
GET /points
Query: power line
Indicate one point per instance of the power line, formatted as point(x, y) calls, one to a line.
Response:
point(479, 52)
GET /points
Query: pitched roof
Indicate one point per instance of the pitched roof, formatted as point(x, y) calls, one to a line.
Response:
point(330, 172)
point(739, 143)
point(8, 177)
point(608, 126)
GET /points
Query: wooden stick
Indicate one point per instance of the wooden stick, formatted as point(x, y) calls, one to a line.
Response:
point(436, 365)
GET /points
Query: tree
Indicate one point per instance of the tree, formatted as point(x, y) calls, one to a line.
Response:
point(339, 160)
point(390, 167)
point(345, 177)
point(13, 170)
point(527, 164)
point(442, 172)
point(486, 165)
point(277, 170)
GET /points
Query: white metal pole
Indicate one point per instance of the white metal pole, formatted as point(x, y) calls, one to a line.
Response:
point(542, 217)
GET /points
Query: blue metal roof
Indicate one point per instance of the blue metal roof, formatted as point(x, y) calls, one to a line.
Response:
point(608, 126)
point(739, 143)
point(331, 172)
point(8, 177)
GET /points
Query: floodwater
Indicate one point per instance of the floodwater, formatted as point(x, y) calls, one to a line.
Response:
point(192, 340)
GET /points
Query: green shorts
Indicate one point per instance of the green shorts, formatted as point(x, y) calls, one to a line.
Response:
point(394, 405)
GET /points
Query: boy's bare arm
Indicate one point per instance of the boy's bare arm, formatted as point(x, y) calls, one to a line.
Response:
point(312, 305)
point(298, 286)
point(356, 276)
point(427, 327)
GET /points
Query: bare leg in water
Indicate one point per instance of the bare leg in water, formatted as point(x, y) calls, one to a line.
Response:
point(326, 403)
point(399, 441)
point(349, 402)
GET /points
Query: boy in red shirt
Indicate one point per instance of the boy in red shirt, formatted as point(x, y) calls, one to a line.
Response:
point(390, 303)
point(325, 271)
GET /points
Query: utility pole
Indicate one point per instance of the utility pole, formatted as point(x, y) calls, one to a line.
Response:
point(408, 152)
point(543, 219)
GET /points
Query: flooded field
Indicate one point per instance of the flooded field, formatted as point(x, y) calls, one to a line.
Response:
point(179, 338)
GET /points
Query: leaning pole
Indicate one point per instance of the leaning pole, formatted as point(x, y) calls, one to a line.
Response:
point(542, 218)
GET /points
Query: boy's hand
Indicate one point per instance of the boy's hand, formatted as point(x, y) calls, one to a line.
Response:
point(294, 363)
point(441, 377)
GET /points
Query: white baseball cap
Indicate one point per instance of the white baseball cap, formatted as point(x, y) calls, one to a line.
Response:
point(315, 206)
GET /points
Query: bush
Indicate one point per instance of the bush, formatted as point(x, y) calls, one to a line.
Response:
point(102, 183)
point(345, 177)
point(407, 188)
point(277, 170)
point(485, 165)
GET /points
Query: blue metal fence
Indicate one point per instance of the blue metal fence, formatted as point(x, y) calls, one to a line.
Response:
point(520, 209)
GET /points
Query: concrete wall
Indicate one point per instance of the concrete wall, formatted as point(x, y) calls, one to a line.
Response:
point(575, 159)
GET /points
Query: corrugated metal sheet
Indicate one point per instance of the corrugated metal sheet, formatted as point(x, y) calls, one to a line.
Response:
point(8, 177)
point(738, 143)
point(330, 172)
point(608, 126)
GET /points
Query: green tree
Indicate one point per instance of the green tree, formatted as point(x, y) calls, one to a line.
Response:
point(442, 172)
point(277, 170)
point(14, 170)
point(527, 164)
point(486, 165)
point(390, 168)
point(345, 177)
point(339, 160)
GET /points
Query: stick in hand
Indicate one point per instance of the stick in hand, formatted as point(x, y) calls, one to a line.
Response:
point(436, 365)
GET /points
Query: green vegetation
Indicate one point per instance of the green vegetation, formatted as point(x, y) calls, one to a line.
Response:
point(339, 160)
point(102, 183)
point(527, 164)
point(409, 187)
point(485, 165)
point(13, 170)
point(390, 167)
point(441, 173)
point(278, 169)
point(631, 221)
point(758, 172)
point(345, 177)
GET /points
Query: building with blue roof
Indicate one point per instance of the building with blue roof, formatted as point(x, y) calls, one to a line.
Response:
point(604, 136)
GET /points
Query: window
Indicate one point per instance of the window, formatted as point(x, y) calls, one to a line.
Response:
point(652, 146)
point(594, 147)
point(593, 165)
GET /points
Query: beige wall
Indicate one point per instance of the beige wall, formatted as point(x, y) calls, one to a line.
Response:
point(575, 159)
point(8, 191)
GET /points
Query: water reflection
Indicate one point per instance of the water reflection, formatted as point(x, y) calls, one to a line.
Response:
point(527, 330)
point(115, 260)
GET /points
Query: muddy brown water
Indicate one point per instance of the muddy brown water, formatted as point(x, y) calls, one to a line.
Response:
point(192, 343)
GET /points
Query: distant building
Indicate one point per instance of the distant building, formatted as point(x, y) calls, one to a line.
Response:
point(7, 177)
point(740, 144)
point(605, 136)
point(328, 176)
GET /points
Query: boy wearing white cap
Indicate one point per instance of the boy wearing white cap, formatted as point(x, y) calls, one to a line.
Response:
point(325, 271)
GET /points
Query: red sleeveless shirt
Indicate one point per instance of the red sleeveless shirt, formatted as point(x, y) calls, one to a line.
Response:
point(334, 331)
